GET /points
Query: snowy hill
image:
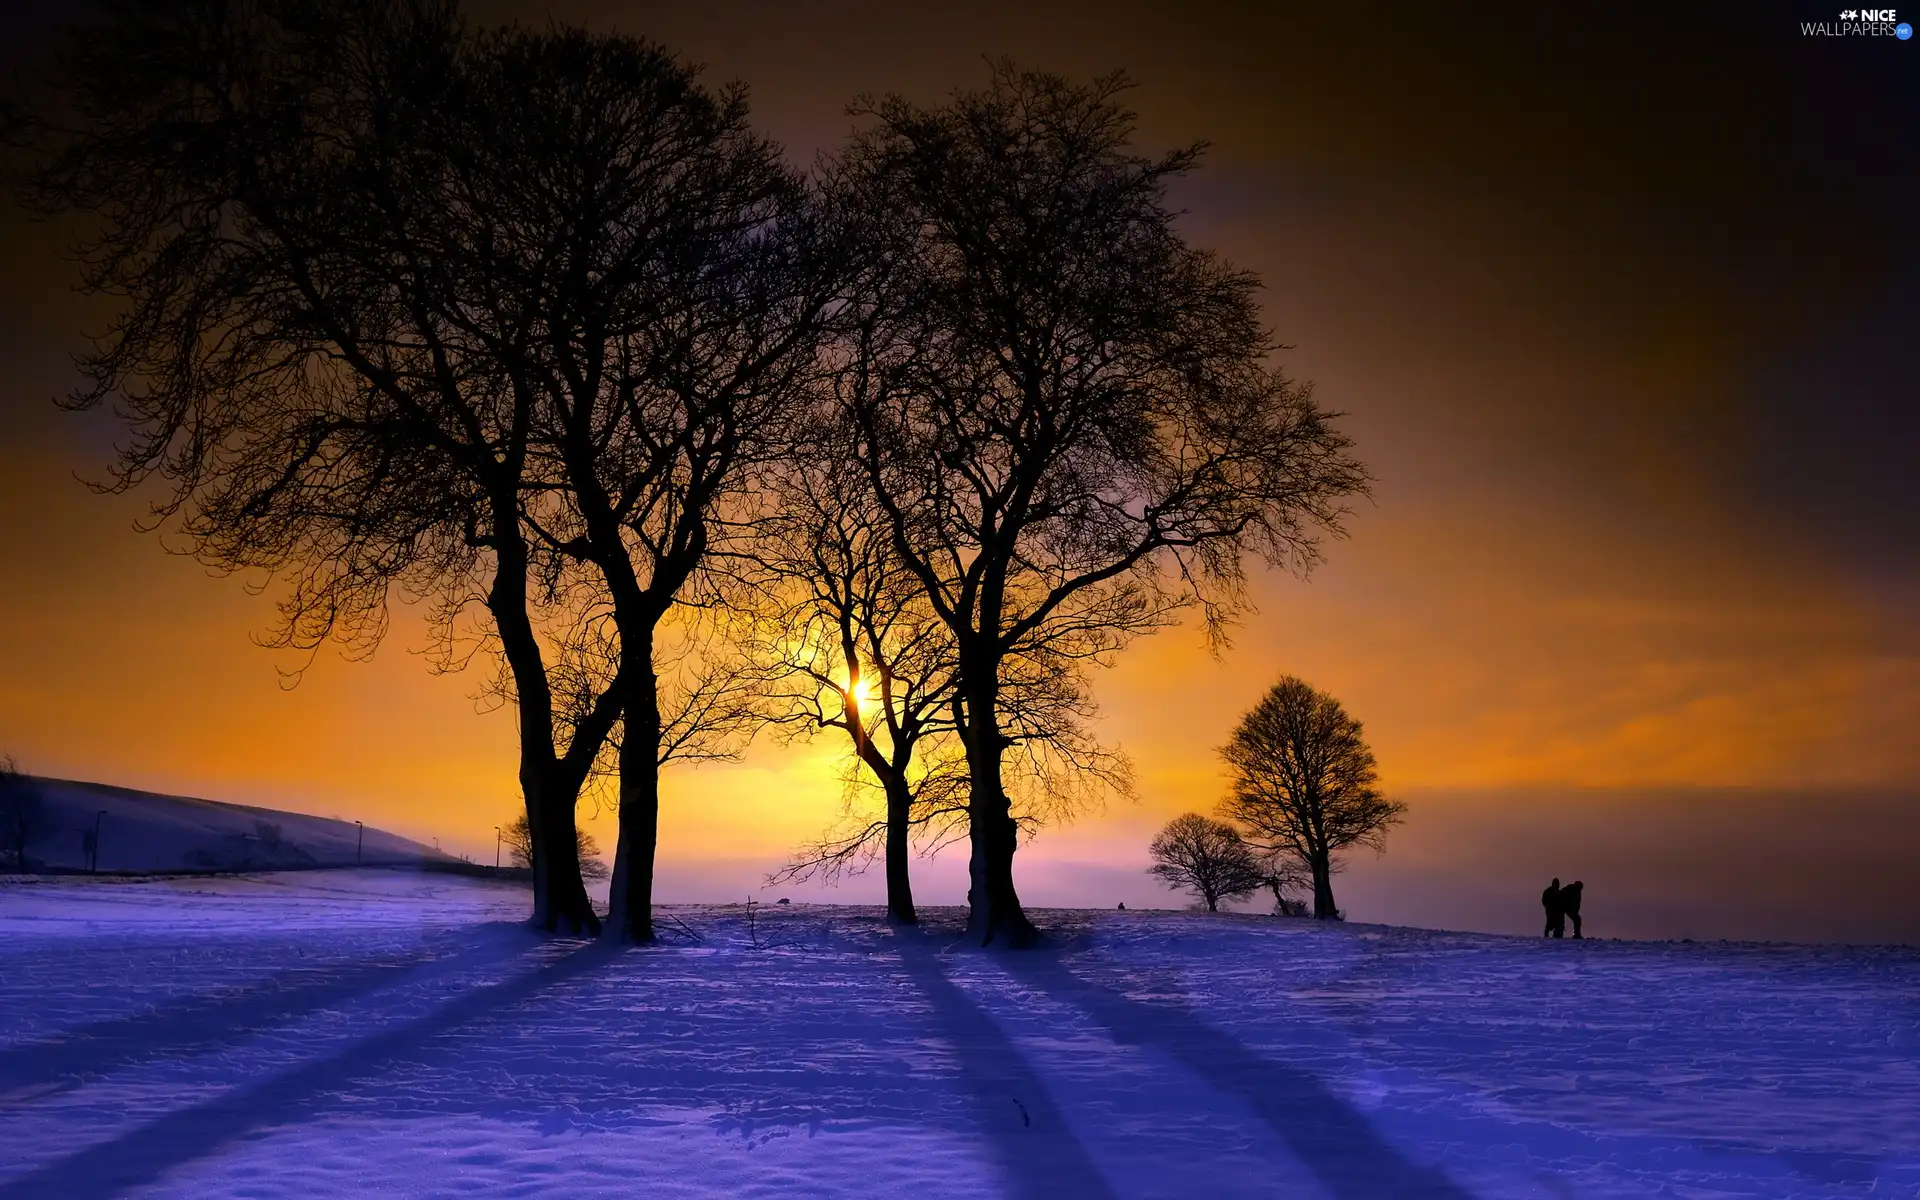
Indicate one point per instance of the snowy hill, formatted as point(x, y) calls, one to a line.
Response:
point(391, 1033)
point(148, 831)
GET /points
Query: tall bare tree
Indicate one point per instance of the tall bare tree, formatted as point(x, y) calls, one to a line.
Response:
point(312, 349)
point(1206, 857)
point(667, 250)
point(1305, 783)
point(548, 283)
point(1065, 412)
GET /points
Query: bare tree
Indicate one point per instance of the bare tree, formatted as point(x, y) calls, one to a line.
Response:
point(1198, 854)
point(517, 836)
point(310, 343)
point(1065, 412)
point(22, 816)
point(1305, 783)
point(543, 280)
point(848, 644)
point(665, 248)
point(851, 644)
point(1287, 880)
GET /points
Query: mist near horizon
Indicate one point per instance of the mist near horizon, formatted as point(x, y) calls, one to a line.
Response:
point(1659, 864)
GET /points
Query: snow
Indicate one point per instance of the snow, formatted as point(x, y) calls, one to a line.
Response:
point(149, 831)
point(387, 1033)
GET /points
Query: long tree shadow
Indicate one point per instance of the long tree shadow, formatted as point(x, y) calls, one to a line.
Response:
point(1337, 1144)
point(143, 1155)
point(195, 1024)
point(1039, 1155)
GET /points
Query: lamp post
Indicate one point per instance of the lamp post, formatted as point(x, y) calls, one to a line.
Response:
point(93, 866)
point(359, 842)
point(496, 847)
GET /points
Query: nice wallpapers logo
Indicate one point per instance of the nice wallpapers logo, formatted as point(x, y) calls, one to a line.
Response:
point(1860, 22)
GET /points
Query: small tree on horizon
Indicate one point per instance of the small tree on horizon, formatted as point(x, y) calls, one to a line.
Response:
point(517, 836)
point(1306, 785)
point(1208, 858)
point(1285, 878)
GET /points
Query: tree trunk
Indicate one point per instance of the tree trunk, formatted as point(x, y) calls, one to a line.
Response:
point(630, 904)
point(995, 914)
point(537, 857)
point(1323, 909)
point(899, 852)
point(557, 862)
point(559, 898)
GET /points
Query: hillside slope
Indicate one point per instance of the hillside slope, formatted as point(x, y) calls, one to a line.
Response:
point(149, 831)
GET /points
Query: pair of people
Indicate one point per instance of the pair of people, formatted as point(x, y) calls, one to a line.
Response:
point(1561, 903)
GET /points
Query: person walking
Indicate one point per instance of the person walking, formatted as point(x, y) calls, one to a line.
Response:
point(1556, 915)
point(1570, 904)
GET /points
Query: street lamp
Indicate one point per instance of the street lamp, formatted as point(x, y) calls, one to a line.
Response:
point(93, 867)
point(496, 847)
point(359, 842)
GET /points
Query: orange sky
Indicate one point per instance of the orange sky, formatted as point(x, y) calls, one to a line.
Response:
point(1598, 328)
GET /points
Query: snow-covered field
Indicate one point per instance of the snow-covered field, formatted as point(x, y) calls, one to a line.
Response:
point(368, 1033)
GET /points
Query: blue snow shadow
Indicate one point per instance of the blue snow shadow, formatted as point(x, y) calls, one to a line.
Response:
point(197, 1024)
point(142, 1155)
point(1039, 1156)
point(1322, 1130)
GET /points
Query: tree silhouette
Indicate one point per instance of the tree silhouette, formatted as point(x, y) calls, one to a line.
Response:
point(315, 348)
point(22, 816)
point(1064, 412)
point(849, 644)
point(1208, 858)
point(1304, 781)
point(499, 316)
point(1284, 877)
point(517, 836)
point(667, 252)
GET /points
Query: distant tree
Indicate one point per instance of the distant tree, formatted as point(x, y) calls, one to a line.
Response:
point(1305, 784)
point(1286, 879)
point(518, 839)
point(1208, 858)
point(1066, 414)
point(22, 816)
